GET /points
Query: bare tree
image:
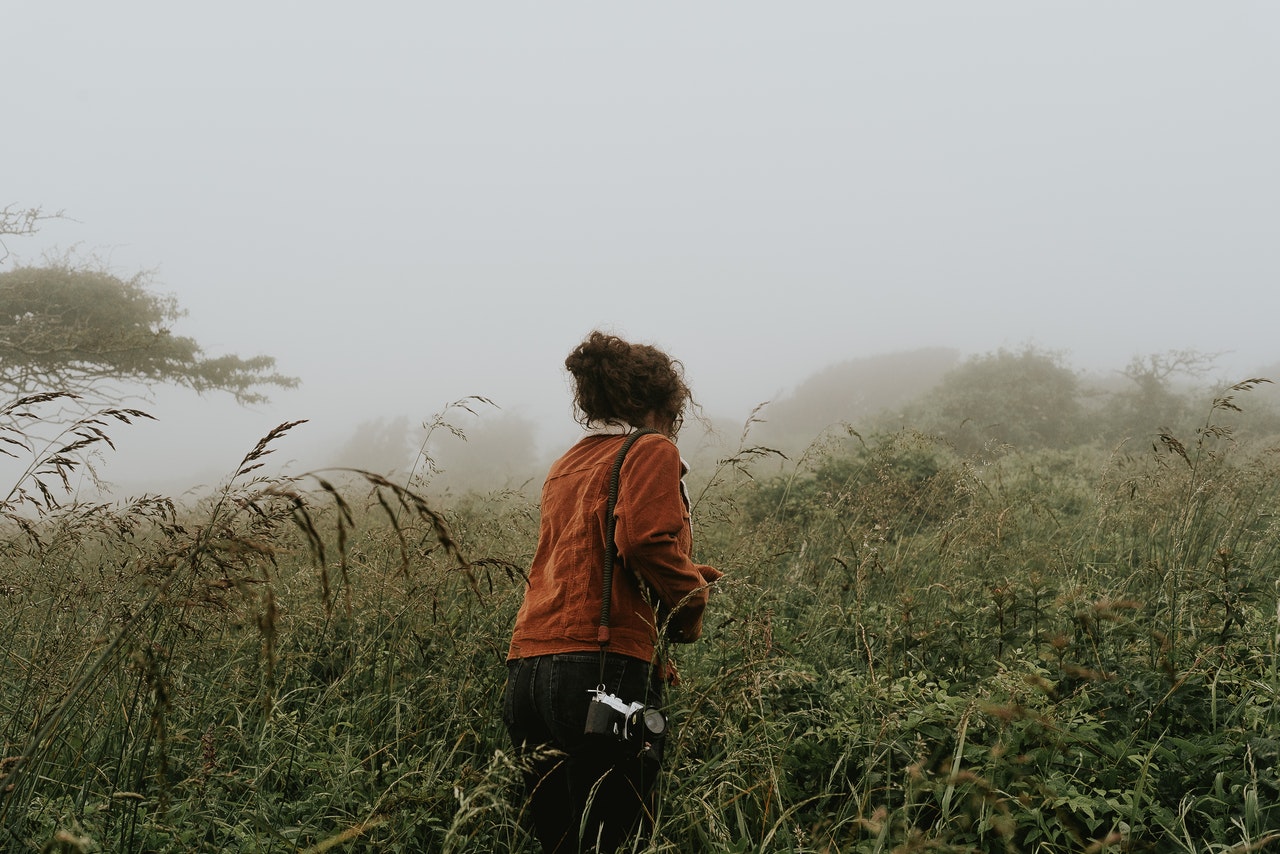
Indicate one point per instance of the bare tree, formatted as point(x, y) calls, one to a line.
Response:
point(20, 222)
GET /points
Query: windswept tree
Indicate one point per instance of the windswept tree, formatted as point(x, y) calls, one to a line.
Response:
point(84, 331)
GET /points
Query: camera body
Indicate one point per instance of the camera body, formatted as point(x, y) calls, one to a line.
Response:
point(633, 725)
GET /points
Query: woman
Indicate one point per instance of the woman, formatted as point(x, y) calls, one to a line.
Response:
point(587, 790)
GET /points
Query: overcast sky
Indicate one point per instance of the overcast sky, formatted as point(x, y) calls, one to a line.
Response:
point(410, 202)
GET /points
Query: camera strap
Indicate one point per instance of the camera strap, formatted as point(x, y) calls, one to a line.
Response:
point(610, 547)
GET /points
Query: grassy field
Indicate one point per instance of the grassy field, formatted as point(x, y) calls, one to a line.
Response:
point(913, 650)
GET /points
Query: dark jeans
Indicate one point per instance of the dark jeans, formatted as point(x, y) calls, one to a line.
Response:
point(587, 787)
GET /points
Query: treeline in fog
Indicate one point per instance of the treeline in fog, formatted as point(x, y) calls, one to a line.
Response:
point(999, 402)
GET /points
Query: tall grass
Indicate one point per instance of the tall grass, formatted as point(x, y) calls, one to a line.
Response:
point(912, 650)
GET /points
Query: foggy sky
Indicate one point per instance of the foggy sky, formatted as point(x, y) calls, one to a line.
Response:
point(407, 203)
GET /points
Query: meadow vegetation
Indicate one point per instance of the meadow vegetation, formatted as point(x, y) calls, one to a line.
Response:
point(987, 634)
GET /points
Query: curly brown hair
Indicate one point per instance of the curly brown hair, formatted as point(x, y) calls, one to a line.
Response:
point(617, 382)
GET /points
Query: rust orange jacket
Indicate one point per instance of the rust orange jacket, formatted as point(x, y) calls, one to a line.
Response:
point(561, 609)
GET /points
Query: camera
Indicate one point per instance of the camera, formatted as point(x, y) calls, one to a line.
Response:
point(630, 724)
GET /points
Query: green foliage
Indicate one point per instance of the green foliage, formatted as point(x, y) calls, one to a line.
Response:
point(895, 479)
point(80, 330)
point(913, 649)
point(1026, 399)
point(168, 681)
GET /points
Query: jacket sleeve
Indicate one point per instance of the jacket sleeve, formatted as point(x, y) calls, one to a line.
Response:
point(654, 538)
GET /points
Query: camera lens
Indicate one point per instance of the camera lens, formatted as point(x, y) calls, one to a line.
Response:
point(655, 722)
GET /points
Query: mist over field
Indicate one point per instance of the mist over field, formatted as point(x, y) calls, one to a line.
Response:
point(978, 302)
point(410, 205)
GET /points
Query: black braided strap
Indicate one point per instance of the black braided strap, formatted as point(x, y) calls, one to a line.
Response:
point(610, 547)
